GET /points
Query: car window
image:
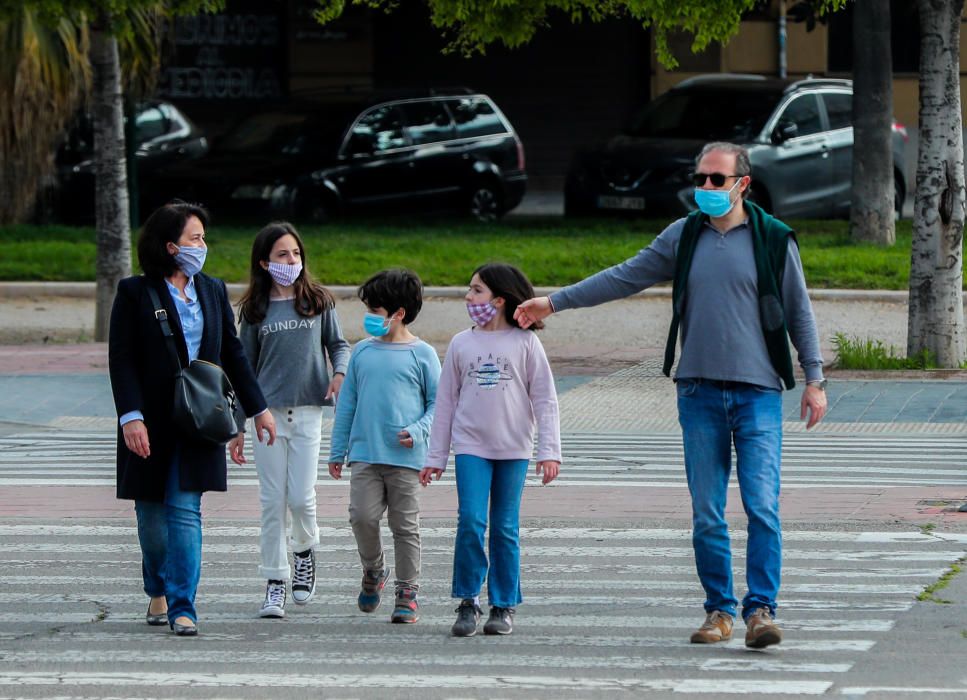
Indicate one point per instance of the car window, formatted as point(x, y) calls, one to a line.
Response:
point(150, 124)
point(706, 114)
point(427, 122)
point(379, 129)
point(475, 116)
point(803, 112)
point(262, 132)
point(839, 109)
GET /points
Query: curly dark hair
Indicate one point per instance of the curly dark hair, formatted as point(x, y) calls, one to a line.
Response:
point(394, 289)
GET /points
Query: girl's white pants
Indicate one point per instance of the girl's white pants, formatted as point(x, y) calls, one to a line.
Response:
point(287, 479)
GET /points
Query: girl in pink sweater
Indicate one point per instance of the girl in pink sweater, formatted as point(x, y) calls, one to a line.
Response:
point(495, 389)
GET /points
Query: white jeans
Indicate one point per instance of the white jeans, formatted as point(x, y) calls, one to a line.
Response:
point(287, 477)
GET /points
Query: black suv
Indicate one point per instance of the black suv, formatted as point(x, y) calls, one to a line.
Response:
point(799, 135)
point(450, 149)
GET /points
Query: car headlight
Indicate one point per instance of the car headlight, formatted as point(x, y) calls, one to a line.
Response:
point(253, 192)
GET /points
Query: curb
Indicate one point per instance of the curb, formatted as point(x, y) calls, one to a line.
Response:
point(86, 290)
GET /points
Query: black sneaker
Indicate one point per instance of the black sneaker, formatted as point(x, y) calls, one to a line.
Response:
point(501, 621)
point(274, 604)
point(468, 615)
point(304, 576)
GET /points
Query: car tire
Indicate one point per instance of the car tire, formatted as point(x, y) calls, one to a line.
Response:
point(315, 207)
point(485, 202)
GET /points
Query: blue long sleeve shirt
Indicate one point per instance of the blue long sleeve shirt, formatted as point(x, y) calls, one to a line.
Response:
point(389, 387)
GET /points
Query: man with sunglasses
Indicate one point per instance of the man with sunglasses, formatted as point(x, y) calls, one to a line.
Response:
point(738, 295)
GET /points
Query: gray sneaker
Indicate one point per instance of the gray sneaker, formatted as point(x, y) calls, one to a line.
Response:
point(468, 615)
point(501, 621)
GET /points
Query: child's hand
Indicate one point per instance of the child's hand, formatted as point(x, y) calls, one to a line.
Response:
point(406, 440)
point(428, 474)
point(235, 446)
point(335, 470)
point(551, 469)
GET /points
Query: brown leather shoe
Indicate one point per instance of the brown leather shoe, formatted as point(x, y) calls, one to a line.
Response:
point(761, 630)
point(717, 628)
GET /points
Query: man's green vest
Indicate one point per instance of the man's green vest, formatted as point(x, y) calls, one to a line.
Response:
point(770, 241)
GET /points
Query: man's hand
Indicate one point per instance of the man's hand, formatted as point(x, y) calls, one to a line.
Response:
point(335, 384)
point(532, 311)
point(551, 468)
point(430, 474)
point(136, 438)
point(335, 470)
point(265, 421)
point(813, 403)
point(235, 447)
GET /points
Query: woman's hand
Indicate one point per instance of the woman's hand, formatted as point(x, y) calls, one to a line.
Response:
point(335, 470)
point(265, 421)
point(430, 474)
point(136, 438)
point(235, 447)
point(406, 440)
point(335, 384)
point(551, 468)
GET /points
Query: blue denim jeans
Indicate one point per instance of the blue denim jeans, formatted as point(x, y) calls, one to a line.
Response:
point(501, 482)
point(713, 418)
point(170, 538)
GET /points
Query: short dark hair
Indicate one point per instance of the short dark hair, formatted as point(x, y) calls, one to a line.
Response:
point(165, 226)
point(511, 284)
point(394, 289)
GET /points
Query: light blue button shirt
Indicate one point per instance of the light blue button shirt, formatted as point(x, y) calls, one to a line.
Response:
point(192, 324)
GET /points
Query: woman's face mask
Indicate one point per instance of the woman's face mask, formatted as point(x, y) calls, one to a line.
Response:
point(191, 259)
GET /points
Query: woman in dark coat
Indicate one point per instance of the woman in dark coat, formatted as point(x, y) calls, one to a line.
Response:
point(163, 473)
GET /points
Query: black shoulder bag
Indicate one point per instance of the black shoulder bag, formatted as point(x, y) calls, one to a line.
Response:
point(204, 400)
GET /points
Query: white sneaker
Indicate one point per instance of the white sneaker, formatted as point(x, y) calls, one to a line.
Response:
point(274, 605)
point(304, 577)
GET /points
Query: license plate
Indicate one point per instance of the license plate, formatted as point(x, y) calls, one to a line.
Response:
point(609, 202)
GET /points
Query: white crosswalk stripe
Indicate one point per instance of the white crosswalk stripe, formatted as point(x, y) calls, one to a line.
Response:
point(627, 461)
point(607, 612)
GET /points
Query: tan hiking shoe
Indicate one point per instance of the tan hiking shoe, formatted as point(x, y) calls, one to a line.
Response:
point(761, 630)
point(717, 628)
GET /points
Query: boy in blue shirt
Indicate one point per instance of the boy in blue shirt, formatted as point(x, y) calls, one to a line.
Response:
point(381, 428)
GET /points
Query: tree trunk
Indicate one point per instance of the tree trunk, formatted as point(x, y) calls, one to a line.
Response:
point(872, 202)
point(111, 191)
point(936, 320)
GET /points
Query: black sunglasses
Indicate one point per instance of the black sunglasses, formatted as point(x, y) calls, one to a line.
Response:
point(718, 179)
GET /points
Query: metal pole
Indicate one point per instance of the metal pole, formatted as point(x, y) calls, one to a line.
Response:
point(782, 39)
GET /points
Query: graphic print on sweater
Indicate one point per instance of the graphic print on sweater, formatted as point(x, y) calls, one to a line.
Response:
point(490, 372)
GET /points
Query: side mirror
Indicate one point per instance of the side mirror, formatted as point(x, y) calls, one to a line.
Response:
point(784, 131)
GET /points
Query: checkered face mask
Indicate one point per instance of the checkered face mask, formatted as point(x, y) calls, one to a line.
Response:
point(285, 274)
point(482, 314)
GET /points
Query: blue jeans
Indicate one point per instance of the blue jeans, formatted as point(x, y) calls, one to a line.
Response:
point(170, 538)
point(501, 482)
point(713, 417)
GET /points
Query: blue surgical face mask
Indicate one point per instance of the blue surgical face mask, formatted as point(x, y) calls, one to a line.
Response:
point(376, 325)
point(715, 202)
point(191, 259)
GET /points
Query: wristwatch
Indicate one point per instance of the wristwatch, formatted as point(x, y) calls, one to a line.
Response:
point(818, 383)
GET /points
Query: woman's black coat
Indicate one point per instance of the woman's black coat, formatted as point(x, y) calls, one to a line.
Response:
point(142, 380)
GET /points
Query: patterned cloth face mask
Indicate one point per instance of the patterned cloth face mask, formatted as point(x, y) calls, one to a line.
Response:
point(285, 274)
point(482, 314)
point(191, 259)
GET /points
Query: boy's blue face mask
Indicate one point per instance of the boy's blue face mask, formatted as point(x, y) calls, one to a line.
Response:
point(376, 325)
point(715, 202)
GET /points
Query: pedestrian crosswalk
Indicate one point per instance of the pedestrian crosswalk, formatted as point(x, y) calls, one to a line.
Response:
point(590, 459)
point(607, 613)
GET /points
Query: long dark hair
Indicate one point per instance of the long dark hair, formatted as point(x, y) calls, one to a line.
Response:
point(164, 226)
point(311, 298)
point(510, 283)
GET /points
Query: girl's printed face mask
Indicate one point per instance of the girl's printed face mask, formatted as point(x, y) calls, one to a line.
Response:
point(191, 259)
point(482, 314)
point(376, 325)
point(285, 274)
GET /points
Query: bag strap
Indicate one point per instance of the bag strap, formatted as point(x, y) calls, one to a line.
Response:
point(161, 314)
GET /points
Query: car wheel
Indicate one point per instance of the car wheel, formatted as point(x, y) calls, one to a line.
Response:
point(315, 207)
point(899, 196)
point(758, 195)
point(485, 203)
